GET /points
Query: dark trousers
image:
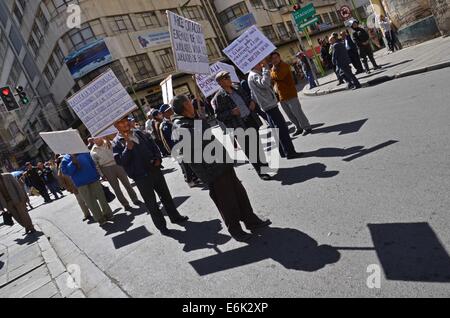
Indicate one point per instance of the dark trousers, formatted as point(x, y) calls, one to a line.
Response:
point(368, 53)
point(147, 187)
point(356, 61)
point(257, 160)
point(233, 203)
point(54, 189)
point(392, 41)
point(351, 78)
point(277, 120)
point(189, 175)
point(43, 192)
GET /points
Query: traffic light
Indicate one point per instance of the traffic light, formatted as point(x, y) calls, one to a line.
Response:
point(22, 95)
point(8, 98)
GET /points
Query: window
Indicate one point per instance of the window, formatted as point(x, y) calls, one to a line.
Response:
point(148, 19)
point(37, 33)
point(33, 46)
point(89, 32)
point(233, 13)
point(326, 18)
point(58, 54)
point(166, 60)
point(212, 49)
point(193, 13)
point(163, 13)
point(49, 76)
point(3, 46)
point(270, 33)
point(334, 17)
point(141, 66)
point(42, 19)
point(16, 69)
point(115, 66)
point(58, 6)
point(18, 13)
point(120, 23)
point(291, 28)
point(22, 4)
point(283, 31)
point(271, 4)
point(257, 4)
point(53, 65)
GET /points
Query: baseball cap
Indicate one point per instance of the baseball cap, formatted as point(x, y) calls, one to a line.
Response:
point(164, 108)
point(221, 75)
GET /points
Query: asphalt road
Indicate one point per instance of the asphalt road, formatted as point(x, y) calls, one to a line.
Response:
point(373, 189)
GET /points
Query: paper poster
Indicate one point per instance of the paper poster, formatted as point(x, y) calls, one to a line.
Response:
point(65, 142)
point(208, 84)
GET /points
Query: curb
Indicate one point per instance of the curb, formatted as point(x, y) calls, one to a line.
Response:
point(68, 265)
point(379, 80)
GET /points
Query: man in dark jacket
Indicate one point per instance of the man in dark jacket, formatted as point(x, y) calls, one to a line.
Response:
point(362, 40)
point(141, 159)
point(226, 190)
point(236, 109)
point(34, 179)
point(352, 51)
point(342, 62)
point(49, 179)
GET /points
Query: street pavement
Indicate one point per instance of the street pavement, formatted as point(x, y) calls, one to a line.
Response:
point(370, 196)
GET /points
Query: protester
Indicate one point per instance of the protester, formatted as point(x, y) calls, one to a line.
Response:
point(388, 32)
point(236, 109)
point(81, 168)
point(13, 198)
point(305, 64)
point(226, 190)
point(287, 91)
point(103, 156)
point(149, 124)
point(68, 184)
point(352, 51)
point(33, 179)
point(259, 111)
point(260, 83)
point(325, 53)
point(362, 40)
point(156, 123)
point(342, 62)
point(90, 143)
point(49, 179)
point(141, 158)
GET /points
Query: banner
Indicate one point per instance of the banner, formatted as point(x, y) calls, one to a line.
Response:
point(101, 103)
point(167, 90)
point(249, 49)
point(208, 84)
point(188, 45)
point(153, 39)
point(65, 142)
point(238, 26)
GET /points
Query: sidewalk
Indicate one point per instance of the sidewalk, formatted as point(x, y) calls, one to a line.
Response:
point(424, 57)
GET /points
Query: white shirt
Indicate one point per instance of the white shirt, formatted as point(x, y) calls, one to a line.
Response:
point(103, 156)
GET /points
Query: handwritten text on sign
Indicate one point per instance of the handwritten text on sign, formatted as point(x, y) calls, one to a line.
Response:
point(208, 84)
point(249, 49)
point(188, 44)
point(102, 102)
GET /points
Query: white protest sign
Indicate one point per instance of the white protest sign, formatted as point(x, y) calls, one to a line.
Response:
point(167, 90)
point(188, 45)
point(208, 84)
point(65, 142)
point(249, 49)
point(101, 103)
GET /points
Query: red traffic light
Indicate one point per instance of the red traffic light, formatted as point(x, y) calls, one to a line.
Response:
point(6, 92)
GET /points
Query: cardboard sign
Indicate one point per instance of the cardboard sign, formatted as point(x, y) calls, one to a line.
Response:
point(65, 142)
point(167, 90)
point(249, 49)
point(188, 45)
point(208, 84)
point(101, 103)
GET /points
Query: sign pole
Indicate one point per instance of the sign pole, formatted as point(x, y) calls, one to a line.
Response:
point(316, 57)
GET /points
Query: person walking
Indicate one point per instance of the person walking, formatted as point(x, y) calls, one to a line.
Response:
point(103, 156)
point(81, 168)
point(260, 84)
point(13, 199)
point(388, 32)
point(236, 109)
point(226, 190)
point(352, 51)
point(362, 40)
point(284, 84)
point(33, 179)
point(305, 64)
point(342, 62)
point(49, 179)
point(139, 155)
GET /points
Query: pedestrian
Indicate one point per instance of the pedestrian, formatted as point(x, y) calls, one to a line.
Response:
point(103, 156)
point(362, 40)
point(388, 32)
point(259, 111)
point(149, 125)
point(236, 109)
point(13, 199)
point(141, 159)
point(342, 62)
point(49, 179)
point(33, 179)
point(260, 83)
point(226, 190)
point(352, 51)
point(156, 123)
point(68, 184)
point(90, 143)
point(81, 168)
point(287, 91)
point(305, 64)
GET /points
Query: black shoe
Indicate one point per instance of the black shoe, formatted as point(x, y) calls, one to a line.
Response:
point(265, 177)
point(298, 132)
point(165, 232)
point(356, 87)
point(259, 225)
point(128, 208)
point(242, 236)
point(307, 132)
point(138, 203)
point(367, 72)
point(294, 155)
point(180, 220)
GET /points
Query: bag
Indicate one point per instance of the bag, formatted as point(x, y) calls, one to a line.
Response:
point(110, 197)
point(8, 219)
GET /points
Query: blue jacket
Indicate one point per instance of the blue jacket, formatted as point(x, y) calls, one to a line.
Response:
point(138, 162)
point(340, 55)
point(86, 173)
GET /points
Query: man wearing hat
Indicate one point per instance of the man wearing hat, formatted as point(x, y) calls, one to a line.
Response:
point(362, 40)
point(236, 109)
point(342, 62)
point(156, 122)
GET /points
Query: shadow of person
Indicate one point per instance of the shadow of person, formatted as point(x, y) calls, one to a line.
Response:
point(30, 238)
point(200, 235)
point(333, 152)
point(290, 248)
point(290, 176)
point(121, 223)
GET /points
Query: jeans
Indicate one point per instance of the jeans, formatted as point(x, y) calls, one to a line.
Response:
point(277, 120)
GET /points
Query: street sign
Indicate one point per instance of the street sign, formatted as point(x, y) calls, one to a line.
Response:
point(308, 23)
point(346, 12)
point(304, 13)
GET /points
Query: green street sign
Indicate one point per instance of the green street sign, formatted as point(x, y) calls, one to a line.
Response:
point(308, 23)
point(304, 13)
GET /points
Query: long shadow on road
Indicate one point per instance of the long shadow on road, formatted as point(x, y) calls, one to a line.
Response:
point(342, 129)
point(290, 176)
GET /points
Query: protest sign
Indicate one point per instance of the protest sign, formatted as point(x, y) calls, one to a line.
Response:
point(167, 90)
point(188, 45)
point(249, 49)
point(65, 142)
point(208, 84)
point(101, 103)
